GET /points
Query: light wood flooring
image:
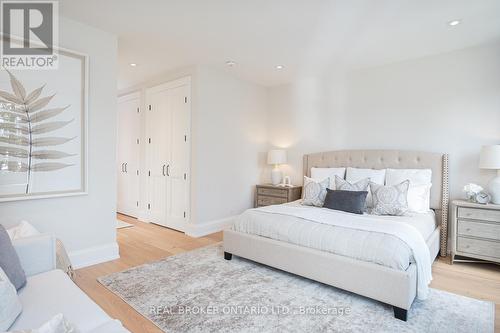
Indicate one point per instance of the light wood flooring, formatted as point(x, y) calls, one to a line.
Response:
point(148, 242)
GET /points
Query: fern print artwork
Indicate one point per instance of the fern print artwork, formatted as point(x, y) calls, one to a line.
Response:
point(27, 142)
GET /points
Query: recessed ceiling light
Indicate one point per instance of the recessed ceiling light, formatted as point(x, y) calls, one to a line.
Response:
point(133, 64)
point(230, 63)
point(280, 66)
point(454, 23)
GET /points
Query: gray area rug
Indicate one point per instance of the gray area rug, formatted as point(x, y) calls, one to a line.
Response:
point(199, 291)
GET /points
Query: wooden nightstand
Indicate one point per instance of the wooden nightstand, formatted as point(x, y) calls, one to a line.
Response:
point(266, 195)
point(475, 231)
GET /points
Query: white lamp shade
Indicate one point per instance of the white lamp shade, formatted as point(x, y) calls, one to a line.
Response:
point(490, 157)
point(276, 156)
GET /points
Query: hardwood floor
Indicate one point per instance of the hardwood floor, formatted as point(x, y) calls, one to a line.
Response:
point(148, 242)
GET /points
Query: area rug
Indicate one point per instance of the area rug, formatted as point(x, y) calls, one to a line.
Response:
point(120, 224)
point(199, 291)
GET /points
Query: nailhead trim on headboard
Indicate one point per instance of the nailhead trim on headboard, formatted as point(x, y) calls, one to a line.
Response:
point(444, 209)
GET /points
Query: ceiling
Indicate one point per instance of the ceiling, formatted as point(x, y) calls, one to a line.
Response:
point(305, 36)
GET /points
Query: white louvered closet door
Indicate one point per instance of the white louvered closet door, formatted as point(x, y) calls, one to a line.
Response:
point(167, 152)
point(128, 134)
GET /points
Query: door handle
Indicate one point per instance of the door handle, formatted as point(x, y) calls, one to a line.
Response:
point(123, 167)
point(163, 170)
point(126, 167)
point(168, 170)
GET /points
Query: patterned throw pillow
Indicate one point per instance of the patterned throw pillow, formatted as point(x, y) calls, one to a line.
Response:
point(314, 191)
point(390, 200)
point(344, 185)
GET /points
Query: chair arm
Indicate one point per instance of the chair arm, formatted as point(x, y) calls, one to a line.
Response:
point(36, 253)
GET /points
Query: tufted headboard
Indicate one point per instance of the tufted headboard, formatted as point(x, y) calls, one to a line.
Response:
point(394, 159)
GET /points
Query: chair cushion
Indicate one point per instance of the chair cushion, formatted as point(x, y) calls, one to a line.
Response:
point(53, 292)
point(9, 261)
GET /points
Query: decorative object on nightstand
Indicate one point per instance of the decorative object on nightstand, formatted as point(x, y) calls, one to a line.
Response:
point(266, 195)
point(490, 159)
point(276, 157)
point(475, 231)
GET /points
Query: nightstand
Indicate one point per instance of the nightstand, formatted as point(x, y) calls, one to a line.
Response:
point(266, 195)
point(475, 231)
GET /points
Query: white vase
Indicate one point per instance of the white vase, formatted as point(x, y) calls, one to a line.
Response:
point(494, 189)
point(276, 176)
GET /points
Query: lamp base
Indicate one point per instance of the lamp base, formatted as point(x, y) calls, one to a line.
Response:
point(494, 190)
point(276, 176)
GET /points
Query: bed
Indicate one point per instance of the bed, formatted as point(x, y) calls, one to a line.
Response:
point(283, 236)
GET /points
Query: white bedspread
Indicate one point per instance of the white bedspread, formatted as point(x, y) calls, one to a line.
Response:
point(390, 241)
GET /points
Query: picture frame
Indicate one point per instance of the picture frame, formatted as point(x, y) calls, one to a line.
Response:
point(57, 161)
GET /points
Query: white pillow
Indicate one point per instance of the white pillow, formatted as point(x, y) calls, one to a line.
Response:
point(419, 193)
point(58, 324)
point(419, 198)
point(314, 191)
point(354, 175)
point(322, 173)
point(10, 306)
point(415, 176)
point(22, 230)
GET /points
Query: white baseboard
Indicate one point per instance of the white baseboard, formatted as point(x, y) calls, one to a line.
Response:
point(94, 255)
point(203, 229)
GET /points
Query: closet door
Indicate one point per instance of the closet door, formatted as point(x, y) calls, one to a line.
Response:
point(177, 190)
point(168, 118)
point(128, 132)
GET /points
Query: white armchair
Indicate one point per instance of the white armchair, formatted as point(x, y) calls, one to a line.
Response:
point(36, 253)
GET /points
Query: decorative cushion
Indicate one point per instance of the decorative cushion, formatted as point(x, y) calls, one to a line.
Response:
point(347, 201)
point(58, 324)
point(376, 176)
point(344, 185)
point(10, 306)
point(390, 200)
point(419, 193)
point(314, 192)
point(9, 261)
point(322, 173)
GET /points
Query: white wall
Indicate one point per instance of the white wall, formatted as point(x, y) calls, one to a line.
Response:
point(230, 137)
point(86, 224)
point(445, 103)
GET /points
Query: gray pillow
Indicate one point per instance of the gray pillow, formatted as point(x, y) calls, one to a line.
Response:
point(390, 200)
point(9, 261)
point(346, 201)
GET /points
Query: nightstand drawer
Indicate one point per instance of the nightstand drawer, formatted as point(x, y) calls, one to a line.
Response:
point(479, 214)
point(275, 192)
point(479, 247)
point(479, 229)
point(266, 201)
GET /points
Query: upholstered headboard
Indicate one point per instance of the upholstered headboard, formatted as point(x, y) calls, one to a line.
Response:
point(394, 159)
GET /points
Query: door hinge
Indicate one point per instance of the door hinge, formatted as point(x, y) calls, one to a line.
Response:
point(185, 99)
point(149, 140)
point(149, 173)
point(184, 214)
point(185, 138)
point(149, 206)
point(185, 176)
point(149, 107)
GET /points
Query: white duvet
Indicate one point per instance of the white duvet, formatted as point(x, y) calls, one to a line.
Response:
point(386, 240)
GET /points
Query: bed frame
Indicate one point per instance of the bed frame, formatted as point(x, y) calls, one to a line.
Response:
point(387, 285)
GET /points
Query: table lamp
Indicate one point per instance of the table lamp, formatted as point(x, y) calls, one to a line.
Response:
point(490, 159)
point(276, 157)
